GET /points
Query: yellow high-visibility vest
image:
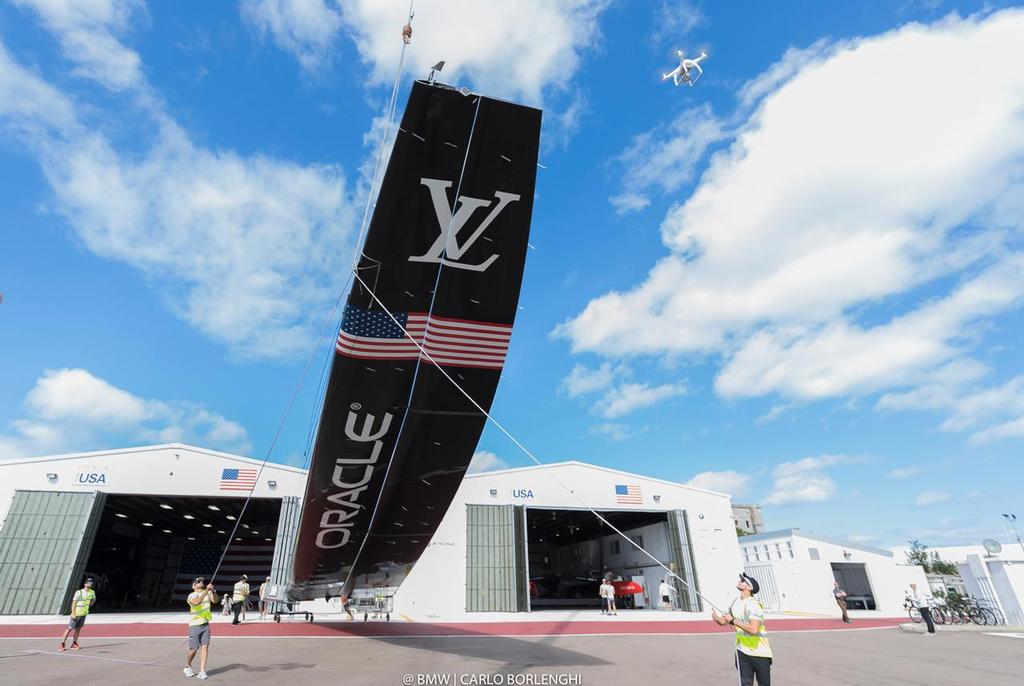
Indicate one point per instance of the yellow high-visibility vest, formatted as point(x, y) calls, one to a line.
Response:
point(83, 601)
point(755, 645)
point(200, 614)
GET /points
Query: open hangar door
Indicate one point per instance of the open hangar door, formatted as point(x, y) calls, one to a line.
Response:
point(570, 550)
point(149, 548)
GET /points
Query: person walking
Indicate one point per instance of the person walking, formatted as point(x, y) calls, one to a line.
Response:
point(923, 607)
point(607, 592)
point(667, 594)
point(753, 652)
point(840, 595)
point(240, 596)
point(199, 618)
point(264, 603)
point(81, 602)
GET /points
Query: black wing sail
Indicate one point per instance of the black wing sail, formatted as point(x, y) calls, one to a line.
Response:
point(443, 261)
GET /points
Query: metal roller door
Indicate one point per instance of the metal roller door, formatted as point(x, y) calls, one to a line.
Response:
point(44, 545)
point(284, 542)
point(495, 558)
point(682, 561)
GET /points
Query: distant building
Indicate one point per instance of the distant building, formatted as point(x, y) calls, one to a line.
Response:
point(748, 518)
point(796, 570)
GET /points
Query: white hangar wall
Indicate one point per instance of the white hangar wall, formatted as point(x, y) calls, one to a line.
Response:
point(437, 584)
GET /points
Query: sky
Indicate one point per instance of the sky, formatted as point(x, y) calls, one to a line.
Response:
point(799, 281)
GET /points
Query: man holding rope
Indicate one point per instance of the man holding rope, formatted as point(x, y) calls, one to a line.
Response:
point(753, 652)
point(199, 617)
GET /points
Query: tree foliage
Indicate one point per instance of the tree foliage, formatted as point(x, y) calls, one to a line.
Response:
point(932, 563)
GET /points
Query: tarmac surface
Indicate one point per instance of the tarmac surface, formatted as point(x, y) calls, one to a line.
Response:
point(860, 656)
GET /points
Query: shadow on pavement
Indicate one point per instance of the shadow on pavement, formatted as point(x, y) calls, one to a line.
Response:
point(282, 666)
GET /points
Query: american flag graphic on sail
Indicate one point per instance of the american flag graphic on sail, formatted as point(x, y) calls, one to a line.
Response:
point(374, 335)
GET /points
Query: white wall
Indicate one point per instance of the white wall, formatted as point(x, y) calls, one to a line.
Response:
point(805, 585)
point(162, 470)
point(437, 584)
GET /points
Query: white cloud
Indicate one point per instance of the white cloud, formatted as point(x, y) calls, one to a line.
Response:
point(485, 461)
point(306, 29)
point(904, 472)
point(676, 19)
point(932, 498)
point(1010, 429)
point(804, 480)
point(664, 158)
point(773, 413)
point(615, 432)
point(87, 31)
point(736, 484)
point(953, 389)
point(73, 410)
point(628, 397)
point(514, 49)
point(245, 248)
point(844, 190)
point(583, 380)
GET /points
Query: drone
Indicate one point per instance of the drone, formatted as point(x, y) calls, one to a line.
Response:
point(688, 70)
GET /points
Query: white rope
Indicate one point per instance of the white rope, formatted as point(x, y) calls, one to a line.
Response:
point(527, 452)
point(389, 116)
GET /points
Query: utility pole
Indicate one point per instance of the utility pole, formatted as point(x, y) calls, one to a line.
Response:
point(1012, 519)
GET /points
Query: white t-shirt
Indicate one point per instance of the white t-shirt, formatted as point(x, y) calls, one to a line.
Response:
point(607, 590)
point(664, 589)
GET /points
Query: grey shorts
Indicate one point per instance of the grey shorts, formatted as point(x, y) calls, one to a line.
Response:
point(76, 622)
point(198, 636)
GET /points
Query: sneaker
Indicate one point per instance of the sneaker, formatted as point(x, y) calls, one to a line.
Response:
point(61, 648)
point(201, 676)
point(75, 646)
point(188, 672)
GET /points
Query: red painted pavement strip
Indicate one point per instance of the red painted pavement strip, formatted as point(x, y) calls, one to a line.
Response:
point(386, 629)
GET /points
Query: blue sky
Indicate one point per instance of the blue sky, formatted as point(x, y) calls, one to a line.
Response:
point(799, 281)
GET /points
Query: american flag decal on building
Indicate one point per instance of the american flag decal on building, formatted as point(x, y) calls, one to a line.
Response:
point(374, 335)
point(628, 494)
point(238, 479)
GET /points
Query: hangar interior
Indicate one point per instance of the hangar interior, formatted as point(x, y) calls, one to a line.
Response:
point(569, 553)
point(148, 548)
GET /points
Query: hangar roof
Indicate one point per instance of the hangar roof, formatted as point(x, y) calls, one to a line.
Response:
point(147, 449)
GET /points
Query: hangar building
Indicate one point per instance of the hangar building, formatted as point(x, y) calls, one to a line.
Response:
point(144, 521)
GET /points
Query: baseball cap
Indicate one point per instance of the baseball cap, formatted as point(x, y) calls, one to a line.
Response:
point(754, 586)
point(244, 576)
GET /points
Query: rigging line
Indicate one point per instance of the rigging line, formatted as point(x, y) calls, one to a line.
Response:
point(529, 454)
point(389, 117)
point(321, 389)
point(416, 369)
point(248, 497)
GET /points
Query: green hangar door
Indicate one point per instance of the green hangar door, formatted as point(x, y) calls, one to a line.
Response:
point(495, 558)
point(44, 545)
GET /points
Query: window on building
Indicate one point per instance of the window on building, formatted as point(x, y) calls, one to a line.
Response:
point(764, 549)
point(789, 549)
point(746, 555)
point(778, 551)
point(639, 540)
point(813, 552)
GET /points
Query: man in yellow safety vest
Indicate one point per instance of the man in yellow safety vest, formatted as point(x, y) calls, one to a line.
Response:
point(753, 652)
point(199, 618)
point(240, 597)
point(80, 604)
